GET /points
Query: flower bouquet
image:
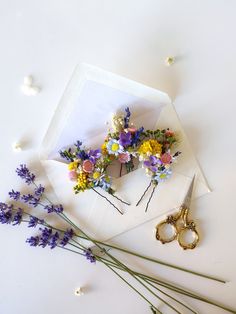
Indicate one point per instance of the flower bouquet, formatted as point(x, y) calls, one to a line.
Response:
point(18, 211)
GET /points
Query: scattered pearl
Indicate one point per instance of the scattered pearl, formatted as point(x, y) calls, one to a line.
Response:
point(16, 147)
point(79, 292)
point(28, 80)
point(28, 88)
point(169, 61)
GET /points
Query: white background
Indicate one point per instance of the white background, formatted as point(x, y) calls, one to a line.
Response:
point(131, 38)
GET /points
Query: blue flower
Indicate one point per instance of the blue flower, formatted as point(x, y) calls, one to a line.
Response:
point(114, 147)
point(137, 135)
point(15, 195)
point(24, 173)
point(163, 175)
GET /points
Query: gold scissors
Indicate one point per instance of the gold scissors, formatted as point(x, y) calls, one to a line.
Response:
point(180, 224)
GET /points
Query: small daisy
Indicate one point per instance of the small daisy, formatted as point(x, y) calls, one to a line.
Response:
point(114, 147)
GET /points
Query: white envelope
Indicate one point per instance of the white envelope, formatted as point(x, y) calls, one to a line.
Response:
point(87, 105)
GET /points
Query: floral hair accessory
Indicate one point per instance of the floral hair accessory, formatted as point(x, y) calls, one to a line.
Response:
point(155, 153)
point(88, 169)
point(122, 141)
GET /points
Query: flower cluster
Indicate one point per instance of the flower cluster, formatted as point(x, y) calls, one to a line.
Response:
point(122, 140)
point(155, 154)
point(87, 168)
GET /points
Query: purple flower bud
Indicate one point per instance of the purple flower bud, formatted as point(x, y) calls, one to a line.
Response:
point(67, 236)
point(17, 217)
point(58, 208)
point(89, 256)
point(53, 241)
point(24, 173)
point(30, 199)
point(33, 241)
point(39, 190)
point(45, 236)
point(3, 206)
point(5, 217)
point(15, 195)
point(34, 221)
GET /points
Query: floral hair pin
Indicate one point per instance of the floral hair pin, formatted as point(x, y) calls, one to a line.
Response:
point(122, 141)
point(155, 153)
point(152, 148)
point(88, 169)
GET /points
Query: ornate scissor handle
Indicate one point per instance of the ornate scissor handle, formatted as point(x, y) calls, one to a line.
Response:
point(190, 225)
point(170, 220)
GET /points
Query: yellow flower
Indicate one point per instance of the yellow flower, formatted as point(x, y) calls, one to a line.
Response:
point(82, 181)
point(73, 165)
point(104, 148)
point(150, 147)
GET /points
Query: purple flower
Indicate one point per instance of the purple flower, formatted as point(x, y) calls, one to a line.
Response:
point(17, 217)
point(15, 195)
point(53, 241)
point(127, 117)
point(68, 234)
point(5, 217)
point(125, 139)
point(45, 236)
point(34, 221)
point(33, 241)
point(89, 256)
point(3, 206)
point(152, 163)
point(30, 199)
point(94, 155)
point(24, 173)
point(39, 190)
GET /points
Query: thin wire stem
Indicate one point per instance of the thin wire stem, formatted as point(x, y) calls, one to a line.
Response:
point(144, 193)
point(153, 190)
point(119, 199)
point(107, 200)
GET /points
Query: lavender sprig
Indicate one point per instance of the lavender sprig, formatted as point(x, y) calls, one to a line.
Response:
point(24, 173)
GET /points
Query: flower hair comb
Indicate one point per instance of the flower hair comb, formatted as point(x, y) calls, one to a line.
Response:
point(88, 169)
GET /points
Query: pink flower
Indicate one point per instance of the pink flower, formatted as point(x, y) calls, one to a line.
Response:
point(124, 157)
point(88, 166)
point(132, 130)
point(166, 158)
point(72, 175)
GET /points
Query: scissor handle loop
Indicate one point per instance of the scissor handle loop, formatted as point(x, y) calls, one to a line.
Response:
point(169, 221)
point(189, 246)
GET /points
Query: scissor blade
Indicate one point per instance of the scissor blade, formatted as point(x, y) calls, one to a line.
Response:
point(188, 197)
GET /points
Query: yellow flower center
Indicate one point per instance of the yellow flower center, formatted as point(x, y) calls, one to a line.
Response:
point(73, 165)
point(114, 147)
point(96, 175)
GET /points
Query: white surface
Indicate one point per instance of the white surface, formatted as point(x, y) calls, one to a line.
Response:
point(91, 97)
point(132, 38)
